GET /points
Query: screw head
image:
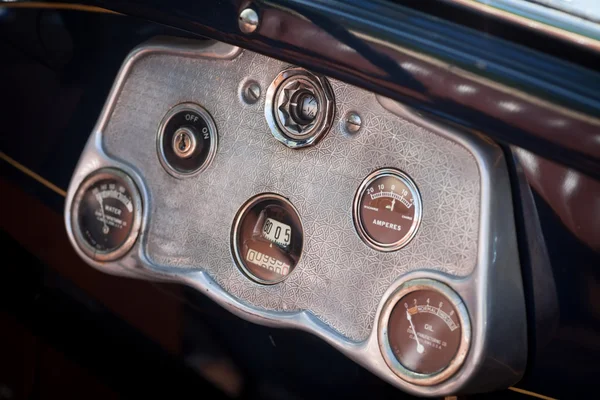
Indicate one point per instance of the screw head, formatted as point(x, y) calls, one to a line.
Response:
point(248, 20)
point(352, 122)
point(250, 92)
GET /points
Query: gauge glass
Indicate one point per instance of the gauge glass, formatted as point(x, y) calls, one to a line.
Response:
point(267, 238)
point(387, 210)
point(424, 332)
point(308, 107)
point(106, 213)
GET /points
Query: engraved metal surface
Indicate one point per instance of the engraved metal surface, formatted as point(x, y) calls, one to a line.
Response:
point(340, 279)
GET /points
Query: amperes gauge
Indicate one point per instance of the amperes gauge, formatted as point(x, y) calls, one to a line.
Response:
point(387, 210)
point(424, 332)
point(106, 214)
point(267, 238)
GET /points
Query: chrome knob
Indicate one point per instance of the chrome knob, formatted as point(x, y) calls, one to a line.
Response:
point(299, 107)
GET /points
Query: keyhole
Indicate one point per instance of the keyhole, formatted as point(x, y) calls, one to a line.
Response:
point(182, 142)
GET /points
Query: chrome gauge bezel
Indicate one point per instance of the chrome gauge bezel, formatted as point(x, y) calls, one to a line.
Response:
point(239, 217)
point(88, 182)
point(324, 94)
point(418, 204)
point(384, 345)
point(212, 131)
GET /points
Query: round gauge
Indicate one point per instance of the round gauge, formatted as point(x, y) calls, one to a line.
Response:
point(424, 332)
point(387, 210)
point(106, 214)
point(267, 238)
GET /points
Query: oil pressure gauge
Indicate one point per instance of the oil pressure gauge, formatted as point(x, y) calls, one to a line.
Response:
point(106, 214)
point(424, 332)
point(387, 210)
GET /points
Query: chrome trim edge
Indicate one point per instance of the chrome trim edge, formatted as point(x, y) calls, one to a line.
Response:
point(539, 18)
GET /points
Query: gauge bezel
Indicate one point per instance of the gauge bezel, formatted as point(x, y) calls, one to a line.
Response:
point(87, 183)
point(212, 131)
point(384, 344)
point(239, 217)
point(418, 204)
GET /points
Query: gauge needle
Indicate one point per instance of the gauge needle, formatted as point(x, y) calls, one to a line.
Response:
point(420, 347)
point(391, 208)
point(105, 228)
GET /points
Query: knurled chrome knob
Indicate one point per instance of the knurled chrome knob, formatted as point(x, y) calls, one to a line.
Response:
point(299, 107)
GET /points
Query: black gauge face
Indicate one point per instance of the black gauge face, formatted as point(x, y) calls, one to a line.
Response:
point(106, 211)
point(387, 210)
point(267, 238)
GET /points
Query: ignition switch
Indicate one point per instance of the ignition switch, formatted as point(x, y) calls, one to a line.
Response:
point(187, 140)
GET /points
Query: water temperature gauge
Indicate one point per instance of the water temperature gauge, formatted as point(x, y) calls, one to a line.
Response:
point(106, 214)
point(424, 332)
point(387, 209)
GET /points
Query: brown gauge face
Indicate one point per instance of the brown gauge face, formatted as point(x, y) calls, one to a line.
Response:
point(387, 210)
point(267, 238)
point(424, 331)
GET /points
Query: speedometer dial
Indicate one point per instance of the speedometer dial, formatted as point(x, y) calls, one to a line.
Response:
point(106, 214)
point(387, 209)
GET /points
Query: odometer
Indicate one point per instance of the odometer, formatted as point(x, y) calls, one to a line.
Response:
point(267, 238)
point(387, 210)
point(106, 214)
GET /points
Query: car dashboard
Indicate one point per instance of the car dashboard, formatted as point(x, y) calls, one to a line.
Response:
point(290, 199)
point(185, 175)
